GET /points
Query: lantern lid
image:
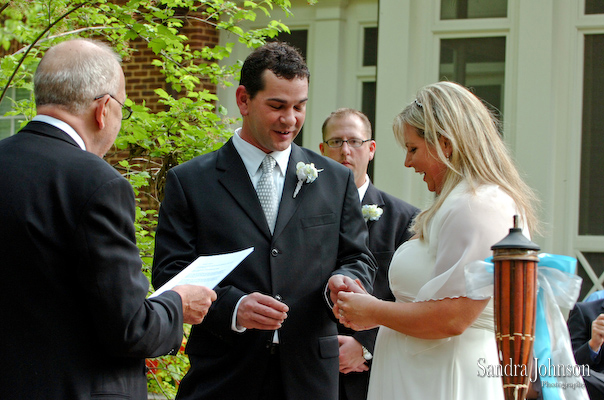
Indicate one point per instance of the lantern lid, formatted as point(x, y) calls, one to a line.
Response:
point(515, 240)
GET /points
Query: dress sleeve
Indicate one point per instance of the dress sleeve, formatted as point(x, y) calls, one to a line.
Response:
point(463, 231)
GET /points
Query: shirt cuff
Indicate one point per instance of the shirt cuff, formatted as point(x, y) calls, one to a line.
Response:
point(593, 354)
point(326, 295)
point(234, 325)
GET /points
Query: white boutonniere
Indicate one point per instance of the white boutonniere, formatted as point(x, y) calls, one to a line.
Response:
point(371, 212)
point(307, 173)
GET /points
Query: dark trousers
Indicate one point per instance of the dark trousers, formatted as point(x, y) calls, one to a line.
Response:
point(272, 387)
point(270, 380)
point(595, 385)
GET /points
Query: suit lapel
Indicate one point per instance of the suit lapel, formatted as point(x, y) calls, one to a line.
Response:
point(235, 179)
point(289, 204)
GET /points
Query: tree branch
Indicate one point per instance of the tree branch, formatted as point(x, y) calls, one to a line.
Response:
point(48, 28)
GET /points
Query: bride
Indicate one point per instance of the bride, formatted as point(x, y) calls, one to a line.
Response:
point(434, 339)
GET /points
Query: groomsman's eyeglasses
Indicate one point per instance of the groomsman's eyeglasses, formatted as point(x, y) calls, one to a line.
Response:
point(356, 143)
point(126, 111)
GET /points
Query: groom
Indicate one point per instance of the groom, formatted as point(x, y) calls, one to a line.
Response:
point(271, 333)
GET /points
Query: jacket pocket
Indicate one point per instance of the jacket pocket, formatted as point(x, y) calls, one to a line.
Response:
point(318, 220)
point(328, 347)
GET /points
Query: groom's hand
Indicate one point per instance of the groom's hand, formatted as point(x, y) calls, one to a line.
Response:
point(343, 283)
point(259, 311)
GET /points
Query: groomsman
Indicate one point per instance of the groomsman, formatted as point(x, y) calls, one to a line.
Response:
point(347, 140)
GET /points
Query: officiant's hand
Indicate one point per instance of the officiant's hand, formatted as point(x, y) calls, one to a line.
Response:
point(196, 301)
point(259, 311)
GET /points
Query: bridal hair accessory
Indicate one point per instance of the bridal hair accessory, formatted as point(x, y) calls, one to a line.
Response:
point(417, 103)
point(307, 173)
point(371, 212)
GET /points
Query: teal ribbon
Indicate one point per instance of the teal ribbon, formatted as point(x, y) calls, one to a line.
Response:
point(559, 287)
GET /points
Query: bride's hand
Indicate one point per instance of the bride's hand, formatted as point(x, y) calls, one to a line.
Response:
point(356, 311)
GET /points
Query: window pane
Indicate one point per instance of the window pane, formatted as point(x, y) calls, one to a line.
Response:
point(370, 36)
point(591, 194)
point(463, 9)
point(6, 104)
point(596, 263)
point(5, 128)
point(477, 63)
point(10, 124)
point(594, 7)
point(368, 108)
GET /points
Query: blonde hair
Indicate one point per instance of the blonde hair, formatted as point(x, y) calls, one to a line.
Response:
point(479, 155)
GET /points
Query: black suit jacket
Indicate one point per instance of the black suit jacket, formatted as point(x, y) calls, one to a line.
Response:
point(579, 326)
point(385, 236)
point(75, 322)
point(211, 207)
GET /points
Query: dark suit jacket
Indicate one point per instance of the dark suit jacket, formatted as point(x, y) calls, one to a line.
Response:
point(385, 236)
point(579, 326)
point(75, 322)
point(211, 207)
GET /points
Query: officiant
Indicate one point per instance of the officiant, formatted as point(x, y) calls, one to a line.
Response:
point(76, 323)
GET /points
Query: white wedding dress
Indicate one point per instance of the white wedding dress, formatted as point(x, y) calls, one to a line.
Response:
point(410, 368)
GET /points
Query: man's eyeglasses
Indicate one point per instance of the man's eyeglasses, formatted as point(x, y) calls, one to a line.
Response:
point(126, 111)
point(355, 143)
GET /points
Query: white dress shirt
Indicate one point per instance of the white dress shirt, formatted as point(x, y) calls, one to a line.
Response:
point(363, 188)
point(252, 159)
point(62, 126)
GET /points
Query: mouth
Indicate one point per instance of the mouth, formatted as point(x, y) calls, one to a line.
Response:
point(284, 133)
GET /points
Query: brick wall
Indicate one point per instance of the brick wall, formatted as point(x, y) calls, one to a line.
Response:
point(142, 78)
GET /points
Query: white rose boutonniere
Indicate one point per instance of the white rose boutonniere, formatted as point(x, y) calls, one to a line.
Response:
point(307, 173)
point(371, 212)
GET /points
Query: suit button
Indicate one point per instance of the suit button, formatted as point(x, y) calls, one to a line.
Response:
point(274, 252)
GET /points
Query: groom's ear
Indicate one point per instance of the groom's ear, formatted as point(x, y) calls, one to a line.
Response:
point(243, 99)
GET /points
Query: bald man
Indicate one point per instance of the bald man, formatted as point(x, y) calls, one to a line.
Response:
point(75, 321)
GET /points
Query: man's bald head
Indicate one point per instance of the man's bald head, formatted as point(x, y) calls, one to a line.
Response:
point(72, 73)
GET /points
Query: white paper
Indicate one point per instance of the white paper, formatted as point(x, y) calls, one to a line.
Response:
point(206, 271)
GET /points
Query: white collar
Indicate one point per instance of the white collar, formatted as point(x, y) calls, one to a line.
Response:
point(363, 188)
point(252, 156)
point(62, 125)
